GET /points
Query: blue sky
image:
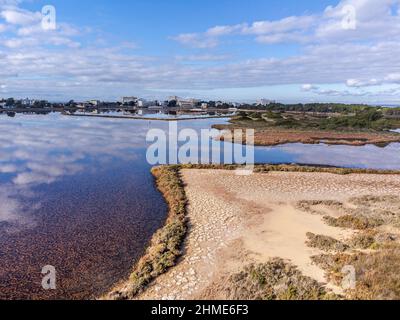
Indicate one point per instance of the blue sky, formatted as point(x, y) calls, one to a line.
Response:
point(291, 51)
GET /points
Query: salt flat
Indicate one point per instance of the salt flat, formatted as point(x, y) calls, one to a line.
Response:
point(238, 220)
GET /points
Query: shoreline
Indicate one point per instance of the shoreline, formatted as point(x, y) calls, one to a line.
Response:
point(165, 246)
point(147, 119)
point(142, 278)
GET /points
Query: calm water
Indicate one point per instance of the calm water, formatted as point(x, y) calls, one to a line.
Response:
point(77, 193)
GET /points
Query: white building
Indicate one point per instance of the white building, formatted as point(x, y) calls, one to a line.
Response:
point(265, 102)
point(127, 100)
point(173, 98)
point(27, 102)
point(187, 103)
point(94, 102)
point(143, 103)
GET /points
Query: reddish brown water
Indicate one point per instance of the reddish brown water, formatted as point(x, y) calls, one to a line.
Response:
point(85, 205)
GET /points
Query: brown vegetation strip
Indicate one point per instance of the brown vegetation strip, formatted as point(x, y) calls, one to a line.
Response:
point(265, 168)
point(279, 136)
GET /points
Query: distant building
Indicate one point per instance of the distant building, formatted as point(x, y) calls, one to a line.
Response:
point(204, 105)
point(81, 105)
point(128, 100)
point(265, 102)
point(173, 98)
point(188, 103)
point(27, 102)
point(185, 104)
point(94, 102)
point(141, 103)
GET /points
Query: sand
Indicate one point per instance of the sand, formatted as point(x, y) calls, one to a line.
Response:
point(237, 220)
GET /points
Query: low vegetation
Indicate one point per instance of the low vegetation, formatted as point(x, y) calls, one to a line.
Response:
point(359, 127)
point(375, 254)
point(266, 168)
point(274, 280)
point(325, 243)
point(310, 205)
point(364, 240)
point(359, 119)
point(377, 273)
point(353, 222)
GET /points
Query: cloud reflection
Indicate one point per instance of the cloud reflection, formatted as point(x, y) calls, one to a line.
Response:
point(369, 156)
point(37, 150)
point(43, 149)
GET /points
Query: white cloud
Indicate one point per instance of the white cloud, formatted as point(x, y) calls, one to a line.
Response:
point(373, 19)
point(203, 57)
point(359, 83)
point(224, 30)
point(20, 17)
point(196, 41)
point(393, 77)
point(308, 87)
point(280, 26)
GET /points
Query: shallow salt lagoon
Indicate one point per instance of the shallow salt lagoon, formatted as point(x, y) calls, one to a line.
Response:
point(77, 193)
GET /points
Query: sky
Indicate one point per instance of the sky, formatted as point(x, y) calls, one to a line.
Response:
point(233, 50)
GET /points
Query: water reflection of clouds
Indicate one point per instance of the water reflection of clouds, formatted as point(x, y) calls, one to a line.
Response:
point(369, 156)
point(37, 150)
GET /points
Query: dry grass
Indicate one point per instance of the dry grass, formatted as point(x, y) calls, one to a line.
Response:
point(361, 213)
point(268, 134)
point(377, 273)
point(377, 269)
point(274, 280)
point(364, 240)
point(385, 208)
point(325, 243)
point(308, 205)
point(273, 136)
point(265, 168)
point(353, 222)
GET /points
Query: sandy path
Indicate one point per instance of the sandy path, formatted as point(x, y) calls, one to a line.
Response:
point(236, 220)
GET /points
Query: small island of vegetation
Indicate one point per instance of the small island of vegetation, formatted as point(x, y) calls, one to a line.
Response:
point(319, 123)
